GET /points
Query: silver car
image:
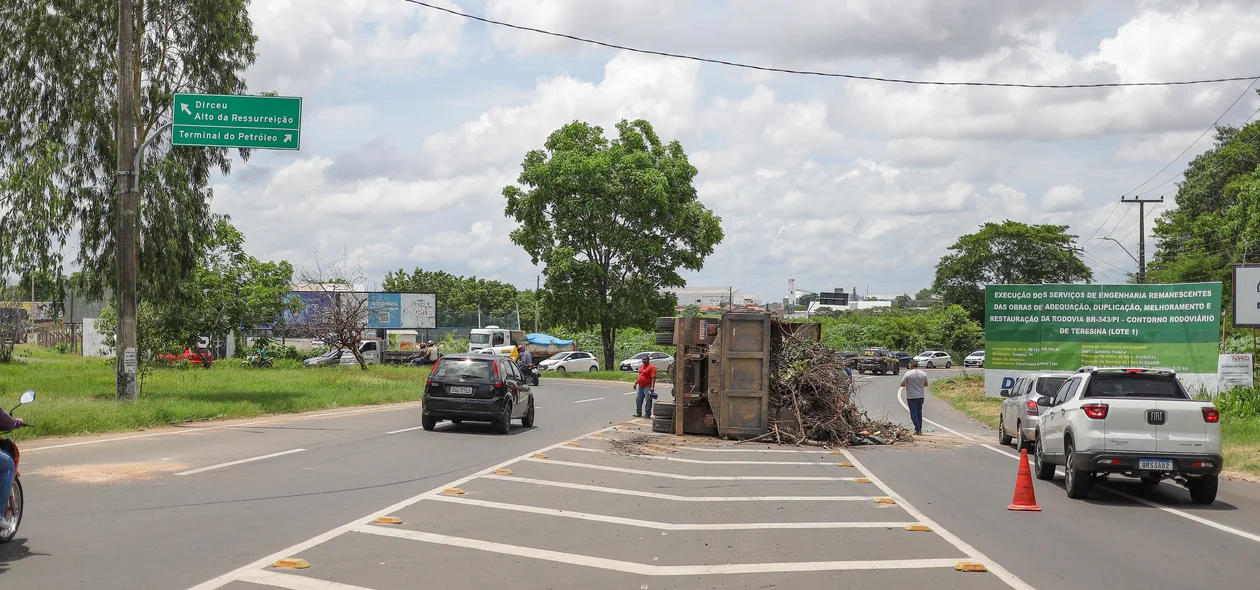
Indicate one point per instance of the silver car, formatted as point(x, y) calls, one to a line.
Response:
point(1019, 408)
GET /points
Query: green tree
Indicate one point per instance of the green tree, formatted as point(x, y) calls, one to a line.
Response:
point(806, 299)
point(613, 221)
point(902, 302)
point(925, 294)
point(1213, 225)
point(1007, 253)
point(954, 331)
point(58, 132)
point(691, 311)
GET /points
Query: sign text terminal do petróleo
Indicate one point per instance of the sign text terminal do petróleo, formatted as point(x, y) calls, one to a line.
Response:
point(223, 120)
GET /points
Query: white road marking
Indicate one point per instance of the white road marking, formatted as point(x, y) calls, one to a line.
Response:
point(231, 463)
point(655, 570)
point(630, 393)
point(410, 429)
point(589, 386)
point(193, 429)
point(1186, 515)
point(936, 424)
point(690, 477)
point(292, 582)
point(674, 498)
point(667, 526)
point(582, 401)
point(704, 462)
point(971, 552)
point(229, 577)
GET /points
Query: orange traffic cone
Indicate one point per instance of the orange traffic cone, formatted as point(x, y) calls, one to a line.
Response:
point(1024, 499)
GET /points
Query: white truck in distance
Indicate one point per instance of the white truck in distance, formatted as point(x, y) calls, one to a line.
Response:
point(502, 340)
point(1131, 421)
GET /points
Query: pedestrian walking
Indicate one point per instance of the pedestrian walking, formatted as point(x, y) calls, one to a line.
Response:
point(916, 383)
point(645, 387)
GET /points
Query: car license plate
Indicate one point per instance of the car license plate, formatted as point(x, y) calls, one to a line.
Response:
point(1155, 464)
point(462, 390)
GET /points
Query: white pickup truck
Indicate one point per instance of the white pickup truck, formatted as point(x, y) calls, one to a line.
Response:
point(1131, 421)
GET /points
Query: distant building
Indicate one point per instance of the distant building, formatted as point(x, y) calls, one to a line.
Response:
point(707, 296)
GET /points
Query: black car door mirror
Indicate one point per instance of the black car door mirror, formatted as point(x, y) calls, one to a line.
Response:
point(1045, 400)
point(1005, 393)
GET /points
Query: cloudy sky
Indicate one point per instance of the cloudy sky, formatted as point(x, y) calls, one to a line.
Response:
point(414, 120)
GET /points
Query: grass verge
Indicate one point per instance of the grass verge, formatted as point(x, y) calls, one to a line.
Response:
point(627, 376)
point(966, 393)
point(1240, 438)
point(76, 394)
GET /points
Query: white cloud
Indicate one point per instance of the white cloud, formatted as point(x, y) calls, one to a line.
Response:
point(1064, 197)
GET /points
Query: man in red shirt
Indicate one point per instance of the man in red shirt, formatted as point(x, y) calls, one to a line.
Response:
point(646, 383)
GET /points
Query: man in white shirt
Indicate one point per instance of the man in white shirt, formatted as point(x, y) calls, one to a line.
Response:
point(916, 383)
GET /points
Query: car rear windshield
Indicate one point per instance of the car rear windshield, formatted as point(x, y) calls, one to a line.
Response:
point(1050, 385)
point(481, 369)
point(1136, 385)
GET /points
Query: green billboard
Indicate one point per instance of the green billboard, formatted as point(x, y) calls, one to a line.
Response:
point(1032, 328)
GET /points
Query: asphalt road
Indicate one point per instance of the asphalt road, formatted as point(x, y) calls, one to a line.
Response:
point(590, 499)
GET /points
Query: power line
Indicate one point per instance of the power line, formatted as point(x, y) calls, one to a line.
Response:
point(1196, 141)
point(1104, 223)
point(1214, 164)
point(817, 73)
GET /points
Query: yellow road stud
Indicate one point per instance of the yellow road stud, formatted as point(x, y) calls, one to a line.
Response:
point(917, 528)
point(861, 480)
point(453, 492)
point(292, 562)
point(885, 501)
point(503, 471)
point(970, 566)
point(571, 444)
point(388, 520)
point(844, 464)
point(539, 456)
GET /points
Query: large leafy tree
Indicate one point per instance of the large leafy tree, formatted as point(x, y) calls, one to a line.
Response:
point(1007, 253)
point(59, 129)
point(613, 221)
point(454, 292)
point(1215, 222)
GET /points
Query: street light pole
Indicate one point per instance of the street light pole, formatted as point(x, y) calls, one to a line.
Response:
point(1126, 250)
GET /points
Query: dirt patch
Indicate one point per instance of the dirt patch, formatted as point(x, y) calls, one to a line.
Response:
point(110, 474)
point(1239, 476)
point(938, 440)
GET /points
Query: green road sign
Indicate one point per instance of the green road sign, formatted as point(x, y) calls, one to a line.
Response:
point(224, 120)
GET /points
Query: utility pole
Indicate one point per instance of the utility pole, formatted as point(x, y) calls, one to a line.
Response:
point(126, 246)
point(1141, 276)
point(537, 296)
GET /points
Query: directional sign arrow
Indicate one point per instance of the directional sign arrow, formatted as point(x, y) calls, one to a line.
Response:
point(288, 137)
point(184, 105)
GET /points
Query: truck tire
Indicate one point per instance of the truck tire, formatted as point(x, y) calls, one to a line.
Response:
point(896, 368)
point(1203, 489)
point(664, 410)
point(665, 324)
point(662, 425)
point(664, 338)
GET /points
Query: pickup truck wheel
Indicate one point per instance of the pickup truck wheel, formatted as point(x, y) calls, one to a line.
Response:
point(1077, 481)
point(1003, 438)
point(896, 368)
point(428, 422)
point(1203, 489)
point(1044, 470)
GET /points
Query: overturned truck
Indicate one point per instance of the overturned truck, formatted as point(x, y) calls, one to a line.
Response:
point(749, 375)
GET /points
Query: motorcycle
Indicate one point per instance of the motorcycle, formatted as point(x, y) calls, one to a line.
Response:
point(256, 360)
point(531, 374)
point(12, 514)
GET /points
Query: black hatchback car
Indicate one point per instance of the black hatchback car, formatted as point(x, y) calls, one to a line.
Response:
point(477, 388)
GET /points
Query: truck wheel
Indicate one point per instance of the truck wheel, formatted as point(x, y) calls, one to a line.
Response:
point(665, 324)
point(663, 410)
point(1077, 481)
point(1203, 489)
point(1044, 470)
point(663, 425)
point(664, 338)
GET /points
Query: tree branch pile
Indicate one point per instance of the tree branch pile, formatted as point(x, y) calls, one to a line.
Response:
point(812, 399)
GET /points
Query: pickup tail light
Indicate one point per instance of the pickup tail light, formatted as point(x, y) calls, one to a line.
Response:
point(1211, 415)
point(1032, 408)
point(1135, 370)
point(1095, 411)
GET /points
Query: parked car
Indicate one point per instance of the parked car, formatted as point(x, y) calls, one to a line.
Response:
point(903, 358)
point(975, 359)
point(332, 357)
point(203, 355)
point(660, 360)
point(479, 388)
point(570, 362)
point(878, 361)
point(1132, 421)
point(934, 359)
point(1019, 406)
